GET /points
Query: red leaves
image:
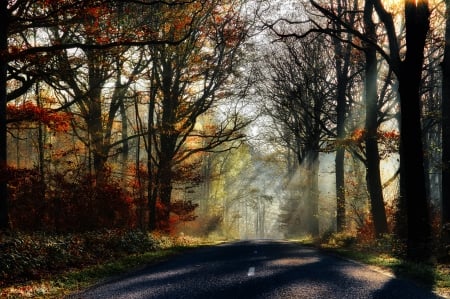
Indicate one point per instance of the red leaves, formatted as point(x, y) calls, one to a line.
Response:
point(30, 112)
point(67, 202)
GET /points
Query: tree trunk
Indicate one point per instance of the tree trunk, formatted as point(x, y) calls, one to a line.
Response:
point(125, 144)
point(4, 213)
point(413, 174)
point(152, 183)
point(165, 193)
point(373, 178)
point(94, 117)
point(342, 70)
point(313, 171)
point(446, 121)
point(340, 157)
point(340, 153)
point(340, 190)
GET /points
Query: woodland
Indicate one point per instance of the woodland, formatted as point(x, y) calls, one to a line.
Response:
point(226, 119)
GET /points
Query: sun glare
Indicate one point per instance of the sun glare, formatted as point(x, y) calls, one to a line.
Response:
point(393, 5)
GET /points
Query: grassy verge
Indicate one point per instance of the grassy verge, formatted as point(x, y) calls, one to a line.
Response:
point(434, 276)
point(60, 285)
point(57, 286)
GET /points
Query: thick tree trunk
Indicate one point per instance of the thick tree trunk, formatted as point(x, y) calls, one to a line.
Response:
point(4, 213)
point(446, 121)
point(413, 174)
point(373, 178)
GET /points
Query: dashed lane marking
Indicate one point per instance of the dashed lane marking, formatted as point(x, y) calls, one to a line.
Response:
point(251, 271)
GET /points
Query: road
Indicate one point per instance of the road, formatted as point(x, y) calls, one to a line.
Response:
point(256, 269)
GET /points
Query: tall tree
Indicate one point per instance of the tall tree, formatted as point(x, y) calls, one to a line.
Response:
point(23, 60)
point(408, 70)
point(373, 176)
point(343, 52)
point(412, 168)
point(187, 81)
point(4, 26)
point(446, 120)
point(298, 100)
point(342, 40)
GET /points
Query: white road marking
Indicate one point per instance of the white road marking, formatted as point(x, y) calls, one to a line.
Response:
point(251, 271)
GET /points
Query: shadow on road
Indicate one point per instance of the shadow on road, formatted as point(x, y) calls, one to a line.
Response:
point(283, 270)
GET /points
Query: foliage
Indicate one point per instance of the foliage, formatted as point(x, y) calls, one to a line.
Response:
point(30, 112)
point(339, 240)
point(381, 253)
point(67, 202)
point(366, 230)
point(50, 266)
point(388, 141)
point(32, 256)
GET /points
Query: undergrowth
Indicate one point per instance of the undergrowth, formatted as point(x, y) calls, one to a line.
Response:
point(40, 265)
point(385, 253)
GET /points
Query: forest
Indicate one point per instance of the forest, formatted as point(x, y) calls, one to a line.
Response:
point(228, 119)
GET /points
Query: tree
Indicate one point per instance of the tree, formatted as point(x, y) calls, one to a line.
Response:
point(342, 41)
point(446, 121)
point(373, 176)
point(413, 198)
point(187, 80)
point(85, 76)
point(22, 59)
point(298, 101)
point(4, 15)
point(343, 53)
point(412, 175)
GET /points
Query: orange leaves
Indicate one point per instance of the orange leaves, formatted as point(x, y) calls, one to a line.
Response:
point(388, 140)
point(98, 24)
point(389, 135)
point(30, 112)
point(182, 23)
point(358, 135)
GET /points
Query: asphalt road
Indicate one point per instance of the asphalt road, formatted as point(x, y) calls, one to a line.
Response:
point(256, 269)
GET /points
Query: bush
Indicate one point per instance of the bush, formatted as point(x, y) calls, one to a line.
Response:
point(344, 239)
point(64, 203)
point(30, 256)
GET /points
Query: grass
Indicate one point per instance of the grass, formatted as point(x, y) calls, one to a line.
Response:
point(433, 276)
point(58, 286)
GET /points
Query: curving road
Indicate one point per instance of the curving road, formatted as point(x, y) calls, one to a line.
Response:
point(256, 269)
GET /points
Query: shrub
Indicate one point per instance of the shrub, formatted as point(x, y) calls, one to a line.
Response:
point(30, 256)
point(343, 239)
point(66, 203)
